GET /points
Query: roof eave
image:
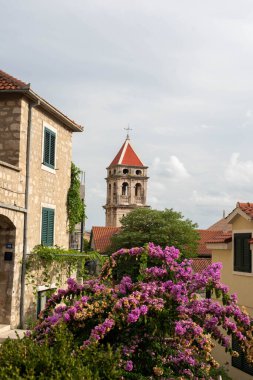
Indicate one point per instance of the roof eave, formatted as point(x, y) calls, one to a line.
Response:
point(48, 107)
point(236, 212)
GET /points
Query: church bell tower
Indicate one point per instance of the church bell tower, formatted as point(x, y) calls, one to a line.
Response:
point(126, 185)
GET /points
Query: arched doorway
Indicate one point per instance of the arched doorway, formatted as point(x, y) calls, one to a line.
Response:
point(7, 248)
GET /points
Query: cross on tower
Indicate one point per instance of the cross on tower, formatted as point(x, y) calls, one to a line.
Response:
point(128, 129)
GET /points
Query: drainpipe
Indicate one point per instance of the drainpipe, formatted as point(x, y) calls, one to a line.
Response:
point(27, 182)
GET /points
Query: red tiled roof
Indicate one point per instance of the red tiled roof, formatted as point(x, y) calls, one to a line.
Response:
point(205, 236)
point(7, 82)
point(222, 237)
point(101, 237)
point(221, 225)
point(199, 264)
point(126, 156)
point(246, 207)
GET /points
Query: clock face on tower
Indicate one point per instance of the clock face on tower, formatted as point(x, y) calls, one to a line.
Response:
point(126, 185)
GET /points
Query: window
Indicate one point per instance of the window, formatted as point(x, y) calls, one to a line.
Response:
point(47, 226)
point(43, 296)
point(49, 148)
point(125, 188)
point(138, 172)
point(138, 190)
point(240, 362)
point(125, 171)
point(242, 252)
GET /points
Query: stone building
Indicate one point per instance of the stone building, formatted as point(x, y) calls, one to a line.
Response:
point(126, 185)
point(35, 164)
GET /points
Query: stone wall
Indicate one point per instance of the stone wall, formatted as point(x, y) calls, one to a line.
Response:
point(47, 188)
point(10, 115)
point(11, 231)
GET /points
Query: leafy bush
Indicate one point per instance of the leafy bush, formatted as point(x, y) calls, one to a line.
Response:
point(25, 359)
point(75, 205)
point(159, 322)
point(166, 228)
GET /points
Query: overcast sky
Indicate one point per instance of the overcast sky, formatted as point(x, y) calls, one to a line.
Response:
point(179, 72)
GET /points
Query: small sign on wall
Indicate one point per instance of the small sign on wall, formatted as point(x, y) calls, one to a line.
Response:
point(8, 256)
point(8, 245)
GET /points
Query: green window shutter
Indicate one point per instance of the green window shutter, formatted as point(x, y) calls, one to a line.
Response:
point(49, 148)
point(52, 149)
point(47, 227)
point(50, 227)
point(44, 226)
point(236, 360)
point(240, 362)
point(242, 252)
point(46, 146)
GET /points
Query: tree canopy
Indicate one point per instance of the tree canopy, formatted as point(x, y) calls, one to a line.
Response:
point(164, 228)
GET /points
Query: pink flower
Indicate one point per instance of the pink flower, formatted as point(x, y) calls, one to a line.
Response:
point(129, 366)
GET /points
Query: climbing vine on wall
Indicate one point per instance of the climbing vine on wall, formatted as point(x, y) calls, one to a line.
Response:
point(47, 265)
point(75, 205)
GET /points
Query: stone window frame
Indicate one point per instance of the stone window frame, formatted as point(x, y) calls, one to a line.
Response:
point(54, 130)
point(42, 296)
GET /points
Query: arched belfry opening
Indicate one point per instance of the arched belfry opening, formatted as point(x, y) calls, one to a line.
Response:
point(137, 191)
point(7, 249)
point(127, 177)
point(125, 188)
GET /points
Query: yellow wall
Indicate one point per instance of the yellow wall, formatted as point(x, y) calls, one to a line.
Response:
point(239, 283)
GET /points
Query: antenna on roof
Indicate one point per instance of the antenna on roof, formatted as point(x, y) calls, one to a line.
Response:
point(128, 129)
point(224, 214)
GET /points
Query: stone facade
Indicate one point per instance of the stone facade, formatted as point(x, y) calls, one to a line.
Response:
point(48, 187)
point(10, 117)
point(119, 201)
point(126, 185)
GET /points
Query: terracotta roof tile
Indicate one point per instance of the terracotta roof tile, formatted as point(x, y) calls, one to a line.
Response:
point(7, 82)
point(199, 264)
point(126, 156)
point(222, 237)
point(206, 235)
point(246, 207)
point(101, 237)
point(221, 225)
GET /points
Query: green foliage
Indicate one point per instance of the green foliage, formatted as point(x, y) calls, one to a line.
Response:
point(86, 245)
point(163, 228)
point(26, 359)
point(54, 264)
point(75, 205)
point(221, 371)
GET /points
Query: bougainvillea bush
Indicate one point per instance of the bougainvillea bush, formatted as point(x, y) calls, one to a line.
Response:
point(159, 317)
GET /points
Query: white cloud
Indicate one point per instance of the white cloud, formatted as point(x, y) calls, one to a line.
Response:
point(239, 172)
point(172, 169)
point(217, 200)
point(176, 169)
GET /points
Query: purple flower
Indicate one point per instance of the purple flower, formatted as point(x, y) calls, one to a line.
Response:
point(66, 317)
point(129, 366)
